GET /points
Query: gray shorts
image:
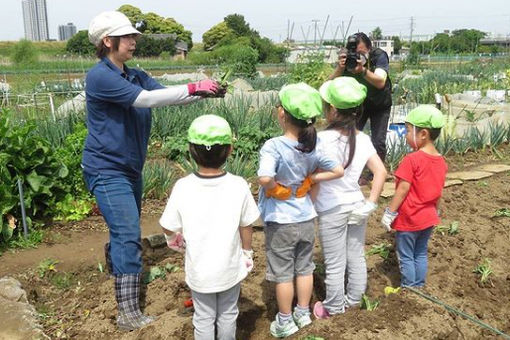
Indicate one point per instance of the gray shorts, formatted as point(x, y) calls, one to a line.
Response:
point(289, 250)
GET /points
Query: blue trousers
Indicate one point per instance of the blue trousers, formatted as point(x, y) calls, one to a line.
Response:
point(120, 200)
point(412, 256)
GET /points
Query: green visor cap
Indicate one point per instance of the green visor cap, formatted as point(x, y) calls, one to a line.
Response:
point(426, 116)
point(209, 130)
point(302, 101)
point(343, 92)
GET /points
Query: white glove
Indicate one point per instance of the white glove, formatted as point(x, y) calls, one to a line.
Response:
point(388, 218)
point(358, 216)
point(247, 257)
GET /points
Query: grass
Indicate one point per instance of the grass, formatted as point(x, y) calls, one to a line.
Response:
point(62, 280)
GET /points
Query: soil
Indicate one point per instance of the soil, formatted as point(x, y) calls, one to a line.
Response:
point(85, 307)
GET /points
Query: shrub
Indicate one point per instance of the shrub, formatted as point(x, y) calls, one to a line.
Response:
point(24, 53)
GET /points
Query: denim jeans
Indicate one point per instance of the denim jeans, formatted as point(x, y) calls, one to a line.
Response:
point(412, 255)
point(120, 200)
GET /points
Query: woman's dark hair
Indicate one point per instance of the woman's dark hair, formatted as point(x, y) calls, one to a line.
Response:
point(346, 119)
point(102, 50)
point(209, 157)
point(360, 36)
point(307, 136)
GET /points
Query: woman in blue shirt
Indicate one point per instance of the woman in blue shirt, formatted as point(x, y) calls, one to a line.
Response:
point(119, 101)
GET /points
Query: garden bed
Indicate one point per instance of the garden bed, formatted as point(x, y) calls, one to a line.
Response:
point(77, 300)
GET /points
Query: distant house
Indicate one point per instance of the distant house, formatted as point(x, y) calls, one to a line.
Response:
point(384, 44)
point(181, 50)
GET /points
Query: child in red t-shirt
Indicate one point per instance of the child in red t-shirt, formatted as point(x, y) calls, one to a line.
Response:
point(419, 184)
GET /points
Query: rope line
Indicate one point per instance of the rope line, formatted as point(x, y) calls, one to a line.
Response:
point(458, 312)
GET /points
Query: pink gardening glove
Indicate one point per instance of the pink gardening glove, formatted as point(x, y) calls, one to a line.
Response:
point(205, 88)
point(247, 257)
point(176, 243)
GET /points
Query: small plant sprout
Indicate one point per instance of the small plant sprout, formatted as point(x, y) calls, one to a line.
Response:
point(503, 212)
point(484, 270)
point(45, 266)
point(454, 228)
point(367, 304)
point(451, 229)
point(383, 250)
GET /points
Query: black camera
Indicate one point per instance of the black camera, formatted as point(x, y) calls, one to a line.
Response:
point(352, 56)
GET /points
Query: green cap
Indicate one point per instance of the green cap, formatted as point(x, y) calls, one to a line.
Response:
point(343, 92)
point(426, 116)
point(209, 130)
point(301, 100)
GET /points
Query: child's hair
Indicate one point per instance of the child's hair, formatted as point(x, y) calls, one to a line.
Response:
point(213, 156)
point(307, 136)
point(346, 120)
point(102, 50)
point(433, 133)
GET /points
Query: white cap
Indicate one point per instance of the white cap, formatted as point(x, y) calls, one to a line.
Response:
point(109, 24)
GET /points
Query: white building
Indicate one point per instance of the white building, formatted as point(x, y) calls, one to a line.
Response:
point(384, 44)
point(35, 18)
point(65, 32)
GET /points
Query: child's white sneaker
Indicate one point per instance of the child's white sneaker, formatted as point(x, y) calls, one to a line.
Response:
point(302, 319)
point(283, 330)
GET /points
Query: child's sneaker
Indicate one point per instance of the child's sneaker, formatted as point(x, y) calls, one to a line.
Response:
point(319, 311)
point(281, 331)
point(302, 319)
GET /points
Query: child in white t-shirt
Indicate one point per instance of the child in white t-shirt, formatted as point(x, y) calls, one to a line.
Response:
point(343, 210)
point(213, 210)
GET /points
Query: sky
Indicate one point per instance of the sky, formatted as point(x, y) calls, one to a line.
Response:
point(271, 17)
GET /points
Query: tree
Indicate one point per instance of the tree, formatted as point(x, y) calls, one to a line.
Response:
point(134, 14)
point(80, 44)
point(215, 34)
point(376, 33)
point(150, 47)
point(238, 25)
point(397, 44)
point(155, 23)
point(24, 53)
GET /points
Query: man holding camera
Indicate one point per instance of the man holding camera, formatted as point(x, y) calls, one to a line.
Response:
point(371, 68)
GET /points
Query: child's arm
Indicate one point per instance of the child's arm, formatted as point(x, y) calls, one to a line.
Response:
point(326, 175)
point(376, 166)
point(390, 213)
point(361, 214)
point(273, 189)
point(400, 194)
point(246, 237)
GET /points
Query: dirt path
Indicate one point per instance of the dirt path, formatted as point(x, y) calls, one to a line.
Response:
point(72, 248)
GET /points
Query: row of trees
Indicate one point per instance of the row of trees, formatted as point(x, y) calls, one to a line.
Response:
point(233, 34)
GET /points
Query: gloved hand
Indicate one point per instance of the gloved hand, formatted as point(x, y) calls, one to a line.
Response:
point(388, 218)
point(205, 88)
point(358, 216)
point(279, 192)
point(176, 242)
point(247, 257)
point(305, 187)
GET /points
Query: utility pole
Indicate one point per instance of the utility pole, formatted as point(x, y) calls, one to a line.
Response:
point(412, 29)
point(315, 21)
